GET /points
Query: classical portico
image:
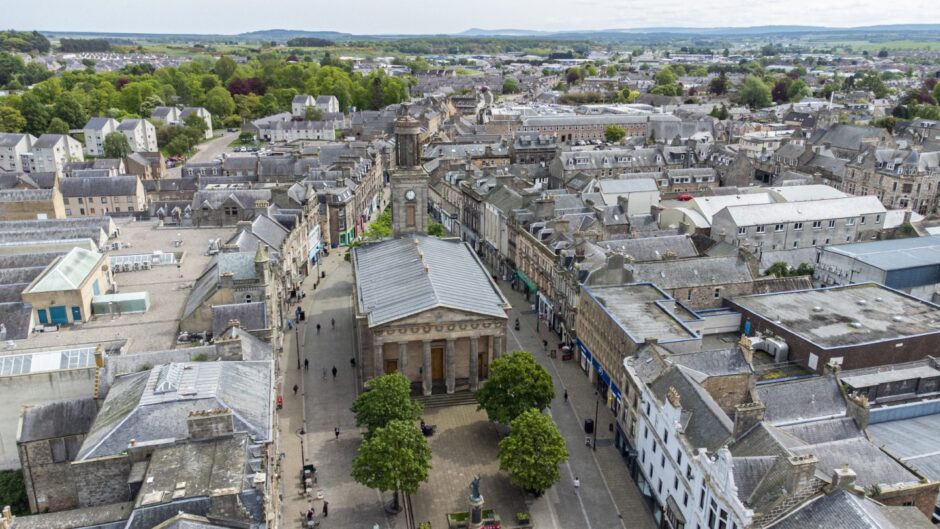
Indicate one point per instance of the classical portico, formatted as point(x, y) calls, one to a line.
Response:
point(439, 351)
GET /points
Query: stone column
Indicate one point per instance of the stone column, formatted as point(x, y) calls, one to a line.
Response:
point(378, 360)
point(426, 369)
point(450, 367)
point(474, 363)
point(402, 356)
point(497, 346)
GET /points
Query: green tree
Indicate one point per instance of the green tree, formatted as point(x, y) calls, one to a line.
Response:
point(532, 452)
point(797, 91)
point(510, 86)
point(219, 102)
point(665, 77)
point(152, 102)
point(196, 124)
point(13, 491)
point(517, 383)
point(57, 126)
point(313, 114)
point(614, 134)
point(11, 66)
point(381, 227)
point(225, 68)
point(116, 145)
point(754, 93)
point(435, 229)
point(394, 458)
point(719, 85)
point(11, 120)
point(36, 114)
point(68, 109)
point(387, 399)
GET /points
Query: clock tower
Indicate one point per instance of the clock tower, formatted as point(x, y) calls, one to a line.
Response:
point(409, 180)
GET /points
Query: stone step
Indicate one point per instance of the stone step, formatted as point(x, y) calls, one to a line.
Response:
point(458, 398)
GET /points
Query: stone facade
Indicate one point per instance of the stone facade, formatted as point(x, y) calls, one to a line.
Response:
point(409, 181)
point(47, 473)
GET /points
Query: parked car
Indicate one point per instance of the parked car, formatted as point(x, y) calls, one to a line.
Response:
point(233, 129)
point(685, 198)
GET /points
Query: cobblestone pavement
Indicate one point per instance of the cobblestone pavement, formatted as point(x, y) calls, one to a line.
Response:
point(464, 445)
point(607, 498)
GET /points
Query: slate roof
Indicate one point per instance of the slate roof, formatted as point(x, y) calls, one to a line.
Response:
point(66, 273)
point(705, 425)
point(25, 195)
point(652, 248)
point(246, 198)
point(392, 281)
point(873, 466)
point(801, 400)
point(240, 264)
point(154, 404)
point(845, 510)
point(11, 139)
point(686, 273)
point(99, 123)
point(80, 186)
point(251, 316)
point(57, 419)
point(848, 137)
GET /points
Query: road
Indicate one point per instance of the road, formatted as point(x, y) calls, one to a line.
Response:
point(206, 151)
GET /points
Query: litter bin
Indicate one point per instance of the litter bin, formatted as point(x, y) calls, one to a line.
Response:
point(589, 426)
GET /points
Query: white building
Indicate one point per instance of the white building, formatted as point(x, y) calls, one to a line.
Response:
point(636, 195)
point(288, 131)
point(13, 146)
point(789, 225)
point(201, 112)
point(299, 105)
point(328, 103)
point(95, 131)
point(140, 133)
point(52, 151)
point(168, 115)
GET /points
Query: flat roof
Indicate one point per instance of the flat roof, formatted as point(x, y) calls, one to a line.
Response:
point(643, 311)
point(827, 316)
point(894, 254)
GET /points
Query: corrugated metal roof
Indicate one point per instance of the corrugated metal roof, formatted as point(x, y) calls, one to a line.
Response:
point(894, 254)
point(392, 281)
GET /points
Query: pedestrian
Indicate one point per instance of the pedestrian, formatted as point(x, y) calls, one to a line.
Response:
point(566, 395)
point(318, 328)
point(577, 482)
point(336, 432)
point(334, 371)
point(306, 364)
point(310, 514)
point(333, 322)
point(544, 345)
point(352, 361)
point(290, 325)
point(326, 506)
point(295, 389)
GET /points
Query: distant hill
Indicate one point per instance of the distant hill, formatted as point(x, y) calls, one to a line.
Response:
point(716, 31)
point(282, 35)
point(477, 32)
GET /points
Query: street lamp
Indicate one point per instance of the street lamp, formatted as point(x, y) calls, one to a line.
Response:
point(297, 342)
point(597, 401)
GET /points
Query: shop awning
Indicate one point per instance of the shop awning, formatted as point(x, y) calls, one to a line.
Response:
point(528, 282)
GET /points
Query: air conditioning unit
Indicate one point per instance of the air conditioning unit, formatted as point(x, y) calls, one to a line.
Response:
point(136, 266)
point(126, 267)
point(115, 246)
point(146, 265)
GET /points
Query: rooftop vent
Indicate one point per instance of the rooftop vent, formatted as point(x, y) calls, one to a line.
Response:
point(817, 309)
point(896, 318)
point(862, 302)
point(857, 324)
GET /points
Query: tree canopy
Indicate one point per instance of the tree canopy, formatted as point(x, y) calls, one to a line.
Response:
point(532, 452)
point(613, 133)
point(517, 383)
point(396, 457)
point(754, 93)
point(116, 145)
point(388, 399)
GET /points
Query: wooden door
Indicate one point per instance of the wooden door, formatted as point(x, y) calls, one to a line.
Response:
point(391, 366)
point(482, 367)
point(437, 363)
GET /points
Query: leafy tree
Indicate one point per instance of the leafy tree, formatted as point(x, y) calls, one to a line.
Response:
point(510, 86)
point(313, 114)
point(754, 93)
point(10, 67)
point(888, 123)
point(246, 137)
point(196, 123)
point(225, 68)
point(720, 112)
point(532, 452)
point(388, 399)
point(435, 229)
point(629, 96)
point(779, 91)
point(116, 145)
point(219, 102)
point(797, 91)
point(517, 383)
point(152, 102)
point(57, 126)
point(614, 134)
point(394, 458)
point(11, 120)
point(666, 76)
point(573, 76)
point(13, 491)
point(719, 85)
point(68, 109)
point(381, 227)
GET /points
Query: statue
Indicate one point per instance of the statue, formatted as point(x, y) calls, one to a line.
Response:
point(475, 487)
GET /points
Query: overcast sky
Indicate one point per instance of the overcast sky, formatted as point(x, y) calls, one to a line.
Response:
point(449, 16)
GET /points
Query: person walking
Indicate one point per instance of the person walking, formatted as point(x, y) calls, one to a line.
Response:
point(306, 364)
point(295, 389)
point(334, 372)
point(333, 322)
point(336, 432)
point(318, 328)
point(326, 506)
point(566, 395)
point(352, 361)
point(577, 482)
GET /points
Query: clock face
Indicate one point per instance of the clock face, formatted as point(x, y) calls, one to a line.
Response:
point(410, 194)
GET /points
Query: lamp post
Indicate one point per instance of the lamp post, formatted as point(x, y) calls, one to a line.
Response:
point(597, 402)
point(297, 343)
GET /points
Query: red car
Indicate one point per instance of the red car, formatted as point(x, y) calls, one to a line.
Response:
point(685, 198)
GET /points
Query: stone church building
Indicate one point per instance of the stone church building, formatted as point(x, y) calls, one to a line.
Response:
point(424, 306)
